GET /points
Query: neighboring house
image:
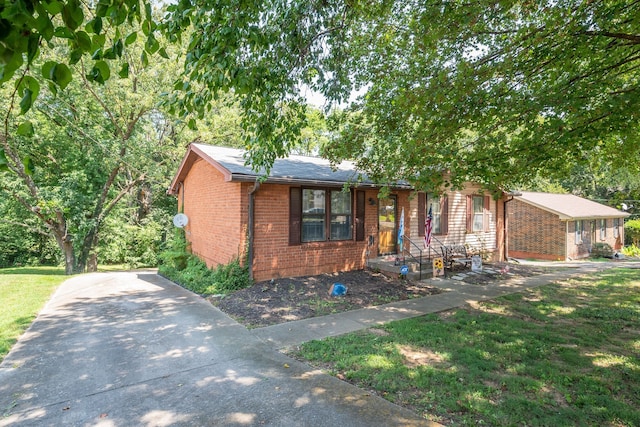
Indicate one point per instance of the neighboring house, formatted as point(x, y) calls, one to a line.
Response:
point(560, 226)
point(300, 221)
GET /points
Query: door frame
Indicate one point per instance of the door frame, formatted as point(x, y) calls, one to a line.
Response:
point(382, 203)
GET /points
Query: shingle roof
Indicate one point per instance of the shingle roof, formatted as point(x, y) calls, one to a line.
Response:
point(570, 207)
point(293, 169)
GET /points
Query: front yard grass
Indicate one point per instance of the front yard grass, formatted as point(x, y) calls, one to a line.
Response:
point(23, 293)
point(560, 355)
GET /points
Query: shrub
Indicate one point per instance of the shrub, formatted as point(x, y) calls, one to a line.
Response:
point(601, 250)
point(632, 231)
point(631, 251)
point(192, 273)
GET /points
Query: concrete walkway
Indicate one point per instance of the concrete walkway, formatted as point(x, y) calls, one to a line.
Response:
point(133, 349)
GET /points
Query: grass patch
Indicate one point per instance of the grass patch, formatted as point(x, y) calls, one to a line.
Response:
point(23, 293)
point(562, 354)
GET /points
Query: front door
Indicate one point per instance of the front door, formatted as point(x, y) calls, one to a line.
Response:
point(387, 231)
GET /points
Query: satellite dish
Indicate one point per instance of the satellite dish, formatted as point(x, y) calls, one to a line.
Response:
point(180, 220)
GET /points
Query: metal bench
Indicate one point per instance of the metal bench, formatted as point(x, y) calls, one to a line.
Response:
point(455, 254)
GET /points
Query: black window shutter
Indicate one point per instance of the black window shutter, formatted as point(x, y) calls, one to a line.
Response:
point(295, 214)
point(444, 215)
point(360, 205)
point(422, 203)
point(487, 212)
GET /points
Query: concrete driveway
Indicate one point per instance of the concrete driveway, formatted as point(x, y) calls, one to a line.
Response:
point(133, 349)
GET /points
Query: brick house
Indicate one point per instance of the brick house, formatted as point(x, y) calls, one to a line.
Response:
point(301, 221)
point(560, 226)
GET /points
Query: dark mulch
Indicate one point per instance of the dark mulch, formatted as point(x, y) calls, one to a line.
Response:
point(284, 300)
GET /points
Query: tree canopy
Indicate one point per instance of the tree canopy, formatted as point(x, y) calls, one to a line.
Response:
point(493, 92)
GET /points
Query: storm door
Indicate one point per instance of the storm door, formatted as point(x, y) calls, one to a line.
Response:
point(387, 231)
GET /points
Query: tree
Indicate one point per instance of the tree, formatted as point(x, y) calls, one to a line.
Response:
point(85, 148)
point(493, 92)
point(99, 32)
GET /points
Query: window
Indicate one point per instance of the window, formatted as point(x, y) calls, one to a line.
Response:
point(439, 210)
point(313, 215)
point(616, 227)
point(603, 229)
point(436, 215)
point(477, 213)
point(579, 229)
point(324, 215)
point(340, 215)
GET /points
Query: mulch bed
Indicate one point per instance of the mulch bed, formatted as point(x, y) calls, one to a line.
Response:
point(285, 300)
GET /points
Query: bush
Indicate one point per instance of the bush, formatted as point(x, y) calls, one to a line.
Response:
point(601, 250)
point(192, 273)
point(631, 251)
point(632, 231)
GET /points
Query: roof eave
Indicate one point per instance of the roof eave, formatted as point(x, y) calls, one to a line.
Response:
point(239, 177)
point(187, 162)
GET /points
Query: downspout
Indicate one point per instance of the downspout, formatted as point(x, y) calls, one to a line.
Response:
point(251, 222)
point(182, 194)
point(506, 227)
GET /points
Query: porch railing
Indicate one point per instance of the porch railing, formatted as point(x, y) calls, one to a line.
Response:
point(407, 249)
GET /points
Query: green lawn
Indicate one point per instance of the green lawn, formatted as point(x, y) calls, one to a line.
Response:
point(561, 355)
point(23, 293)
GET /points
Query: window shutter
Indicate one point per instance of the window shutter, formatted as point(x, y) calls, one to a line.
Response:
point(295, 215)
point(421, 212)
point(487, 212)
point(469, 213)
point(444, 216)
point(360, 206)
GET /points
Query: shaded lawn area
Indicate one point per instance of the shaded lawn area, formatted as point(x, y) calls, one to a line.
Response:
point(561, 355)
point(23, 293)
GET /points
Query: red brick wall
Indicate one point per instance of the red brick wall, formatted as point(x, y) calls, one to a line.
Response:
point(274, 257)
point(218, 227)
point(217, 212)
point(534, 233)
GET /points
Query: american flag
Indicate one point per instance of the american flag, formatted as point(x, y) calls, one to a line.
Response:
point(428, 228)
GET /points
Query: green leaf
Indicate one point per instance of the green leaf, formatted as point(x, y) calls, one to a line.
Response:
point(152, 44)
point(124, 71)
point(103, 71)
point(4, 163)
point(53, 88)
point(61, 75)
point(131, 38)
point(98, 41)
point(163, 53)
point(83, 41)
point(109, 54)
point(26, 101)
point(94, 26)
point(44, 26)
point(75, 56)
point(63, 33)
point(53, 7)
point(25, 129)
point(30, 83)
point(29, 166)
point(32, 47)
point(46, 69)
point(118, 47)
point(72, 15)
point(144, 59)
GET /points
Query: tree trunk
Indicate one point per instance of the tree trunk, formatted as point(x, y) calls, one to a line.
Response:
point(69, 256)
